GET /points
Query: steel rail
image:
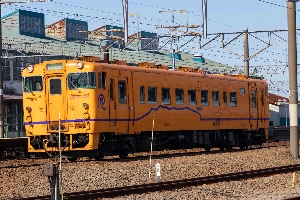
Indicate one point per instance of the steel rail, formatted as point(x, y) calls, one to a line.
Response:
point(171, 185)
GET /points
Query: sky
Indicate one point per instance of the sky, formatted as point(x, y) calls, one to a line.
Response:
point(224, 16)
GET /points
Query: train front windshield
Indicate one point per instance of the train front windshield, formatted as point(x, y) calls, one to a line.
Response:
point(81, 80)
point(33, 84)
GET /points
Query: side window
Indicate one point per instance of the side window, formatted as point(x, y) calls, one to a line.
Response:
point(152, 94)
point(103, 80)
point(204, 97)
point(215, 96)
point(242, 90)
point(253, 99)
point(225, 98)
point(142, 94)
point(122, 92)
point(111, 90)
point(192, 97)
point(165, 96)
point(99, 80)
point(233, 101)
point(179, 96)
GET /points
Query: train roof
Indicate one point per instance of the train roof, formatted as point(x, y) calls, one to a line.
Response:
point(181, 71)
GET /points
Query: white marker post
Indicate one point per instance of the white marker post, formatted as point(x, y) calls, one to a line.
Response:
point(157, 172)
point(150, 164)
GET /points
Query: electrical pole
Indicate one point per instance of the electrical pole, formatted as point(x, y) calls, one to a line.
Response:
point(1, 79)
point(125, 17)
point(204, 15)
point(292, 62)
point(246, 53)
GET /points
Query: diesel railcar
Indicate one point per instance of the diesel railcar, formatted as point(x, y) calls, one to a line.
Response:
point(101, 109)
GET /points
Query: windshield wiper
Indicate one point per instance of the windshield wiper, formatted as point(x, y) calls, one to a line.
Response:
point(74, 86)
point(26, 88)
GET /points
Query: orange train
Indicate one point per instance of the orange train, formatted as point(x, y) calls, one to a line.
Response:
point(101, 109)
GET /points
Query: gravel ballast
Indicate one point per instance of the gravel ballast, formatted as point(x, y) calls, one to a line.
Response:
point(26, 178)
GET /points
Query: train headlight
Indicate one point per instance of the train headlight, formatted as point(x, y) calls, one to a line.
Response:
point(80, 65)
point(85, 105)
point(30, 68)
point(28, 108)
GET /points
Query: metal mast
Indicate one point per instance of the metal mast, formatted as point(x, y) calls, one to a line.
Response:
point(125, 16)
point(292, 62)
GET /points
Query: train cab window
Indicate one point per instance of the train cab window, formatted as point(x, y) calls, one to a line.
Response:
point(215, 97)
point(99, 80)
point(165, 95)
point(233, 101)
point(179, 96)
point(111, 89)
point(142, 94)
point(204, 97)
point(192, 97)
point(253, 99)
point(122, 92)
point(55, 86)
point(81, 80)
point(32, 84)
point(152, 94)
point(225, 98)
point(103, 80)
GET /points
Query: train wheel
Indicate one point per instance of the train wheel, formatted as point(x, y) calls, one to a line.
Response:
point(123, 155)
point(229, 148)
point(72, 159)
point(99, 157)
point(207, 149)
point(243, 147)
point(221, 148)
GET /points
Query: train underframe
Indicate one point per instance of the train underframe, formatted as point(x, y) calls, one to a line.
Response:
point(122, 145)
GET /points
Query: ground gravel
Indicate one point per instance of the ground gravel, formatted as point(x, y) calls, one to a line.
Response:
point(24, 178)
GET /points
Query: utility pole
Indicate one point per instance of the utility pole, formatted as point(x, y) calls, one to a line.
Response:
point(204, 15)
point(125, 17)
point(246, 53)
point(292, 62)
point(1, 58)
point(1, 79)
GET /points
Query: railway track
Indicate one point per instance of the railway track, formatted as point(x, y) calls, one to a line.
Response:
point(271, 144)
point(171, 185)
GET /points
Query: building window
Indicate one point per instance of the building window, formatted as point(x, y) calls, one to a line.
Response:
point(233, 101)
point(215, 97)
point(225, 98)
point(142, 94)
point(192, 97)
point(165, 94)
point(179, 96)
point(152, 94)
point(204, 97)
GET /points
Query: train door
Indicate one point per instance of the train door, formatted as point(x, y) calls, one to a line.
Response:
point(112, 103)
point(123, 110)
point(253, 107)
point(55, 101)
